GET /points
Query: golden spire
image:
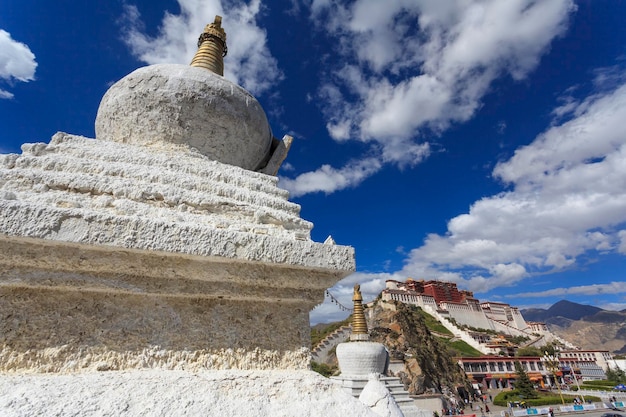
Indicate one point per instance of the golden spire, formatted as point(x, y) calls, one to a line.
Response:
point(359, 325)
point(211, 48)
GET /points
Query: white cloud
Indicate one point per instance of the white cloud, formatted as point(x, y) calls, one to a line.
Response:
point(622, 243)
point(328, 179)
point(405, 68)
point(568, 199)
point(596, 133)
point(612, 306)
point(17, 62)
point(594, 289)
point(429, 64)
point(249, 61)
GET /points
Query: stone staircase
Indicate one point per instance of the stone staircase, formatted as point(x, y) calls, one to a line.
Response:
point(320, 352)
point(537, 342)
point(504, 327)
point(407, 405)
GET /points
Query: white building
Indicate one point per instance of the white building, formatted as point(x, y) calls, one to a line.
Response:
point(589, 364)
point(460, 306)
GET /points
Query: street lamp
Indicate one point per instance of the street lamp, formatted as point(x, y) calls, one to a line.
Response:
point(552, 363)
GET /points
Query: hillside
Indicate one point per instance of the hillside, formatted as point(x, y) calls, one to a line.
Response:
point(428, 362)
point(588, 327)
point(594, 335)
point(421, 352)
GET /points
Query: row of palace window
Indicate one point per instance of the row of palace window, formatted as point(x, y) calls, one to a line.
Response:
point(501, 366)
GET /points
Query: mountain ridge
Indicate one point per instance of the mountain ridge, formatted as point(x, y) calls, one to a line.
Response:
point(588, 327)
point(563, 308)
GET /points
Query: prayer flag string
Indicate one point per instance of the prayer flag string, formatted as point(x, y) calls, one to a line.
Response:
point(335, 301)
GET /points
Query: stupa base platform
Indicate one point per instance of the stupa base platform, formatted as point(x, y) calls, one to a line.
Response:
point(354, 386)
point(71, 307)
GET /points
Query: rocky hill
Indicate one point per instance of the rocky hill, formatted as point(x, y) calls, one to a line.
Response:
point(427, 355)
point(587, 327)
point(421, 359)
point(428, 363)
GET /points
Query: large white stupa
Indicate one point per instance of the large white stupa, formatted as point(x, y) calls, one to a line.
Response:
point(158, 269)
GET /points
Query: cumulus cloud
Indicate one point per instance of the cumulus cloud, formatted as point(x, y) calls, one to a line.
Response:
point(622, 242)
point(17, 62)
point(329, 179)
point(419, 63)
point(567, 200)
point(249, 61)
point(612, 306)
point(404, 69)
point(594, 289)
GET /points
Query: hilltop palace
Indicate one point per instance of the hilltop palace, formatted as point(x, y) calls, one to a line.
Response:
point(477, 324)
point(445, 300)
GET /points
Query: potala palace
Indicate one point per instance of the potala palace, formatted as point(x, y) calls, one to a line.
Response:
point(464, 315)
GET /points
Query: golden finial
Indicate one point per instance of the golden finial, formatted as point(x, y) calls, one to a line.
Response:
point(359, 325)
point(211, 48)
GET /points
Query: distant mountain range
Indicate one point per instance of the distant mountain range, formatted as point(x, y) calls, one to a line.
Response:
point(563, 308)
point(585, 326)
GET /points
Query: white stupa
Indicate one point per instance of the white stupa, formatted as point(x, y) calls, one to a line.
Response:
point(158, 269)
point(363, 367)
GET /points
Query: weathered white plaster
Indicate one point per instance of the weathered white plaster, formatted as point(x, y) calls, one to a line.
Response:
point(86, 191)
point(278, 156)
point(67, 359)
point(361, 358)
point(376, 396)
point(178, 393)
point(182, 254)
point(139, 270)
point(189, 106)
point(81, 307)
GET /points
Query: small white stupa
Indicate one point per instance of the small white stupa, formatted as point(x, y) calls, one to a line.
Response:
point(363, 367)
point(158, 269)
point(360, 357)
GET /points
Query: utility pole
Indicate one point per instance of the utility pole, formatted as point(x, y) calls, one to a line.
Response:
point(578, 385)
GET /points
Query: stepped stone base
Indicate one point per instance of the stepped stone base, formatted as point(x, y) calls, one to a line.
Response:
point(354, 386)
point(69, 307)
point(115, 256)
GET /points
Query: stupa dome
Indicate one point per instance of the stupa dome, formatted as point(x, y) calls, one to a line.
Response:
point(185, 105)
point(361, 358)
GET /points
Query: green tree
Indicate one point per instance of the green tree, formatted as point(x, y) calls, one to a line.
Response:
point(323, 369)
point(529, 351)
point(551, 349)
point(523, 385)
point(616, 375)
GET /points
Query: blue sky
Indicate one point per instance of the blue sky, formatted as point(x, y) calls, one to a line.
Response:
point(479, 142)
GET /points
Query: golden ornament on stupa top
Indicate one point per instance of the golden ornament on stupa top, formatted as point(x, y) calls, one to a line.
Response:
point(359, 325)
point(211, 48)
